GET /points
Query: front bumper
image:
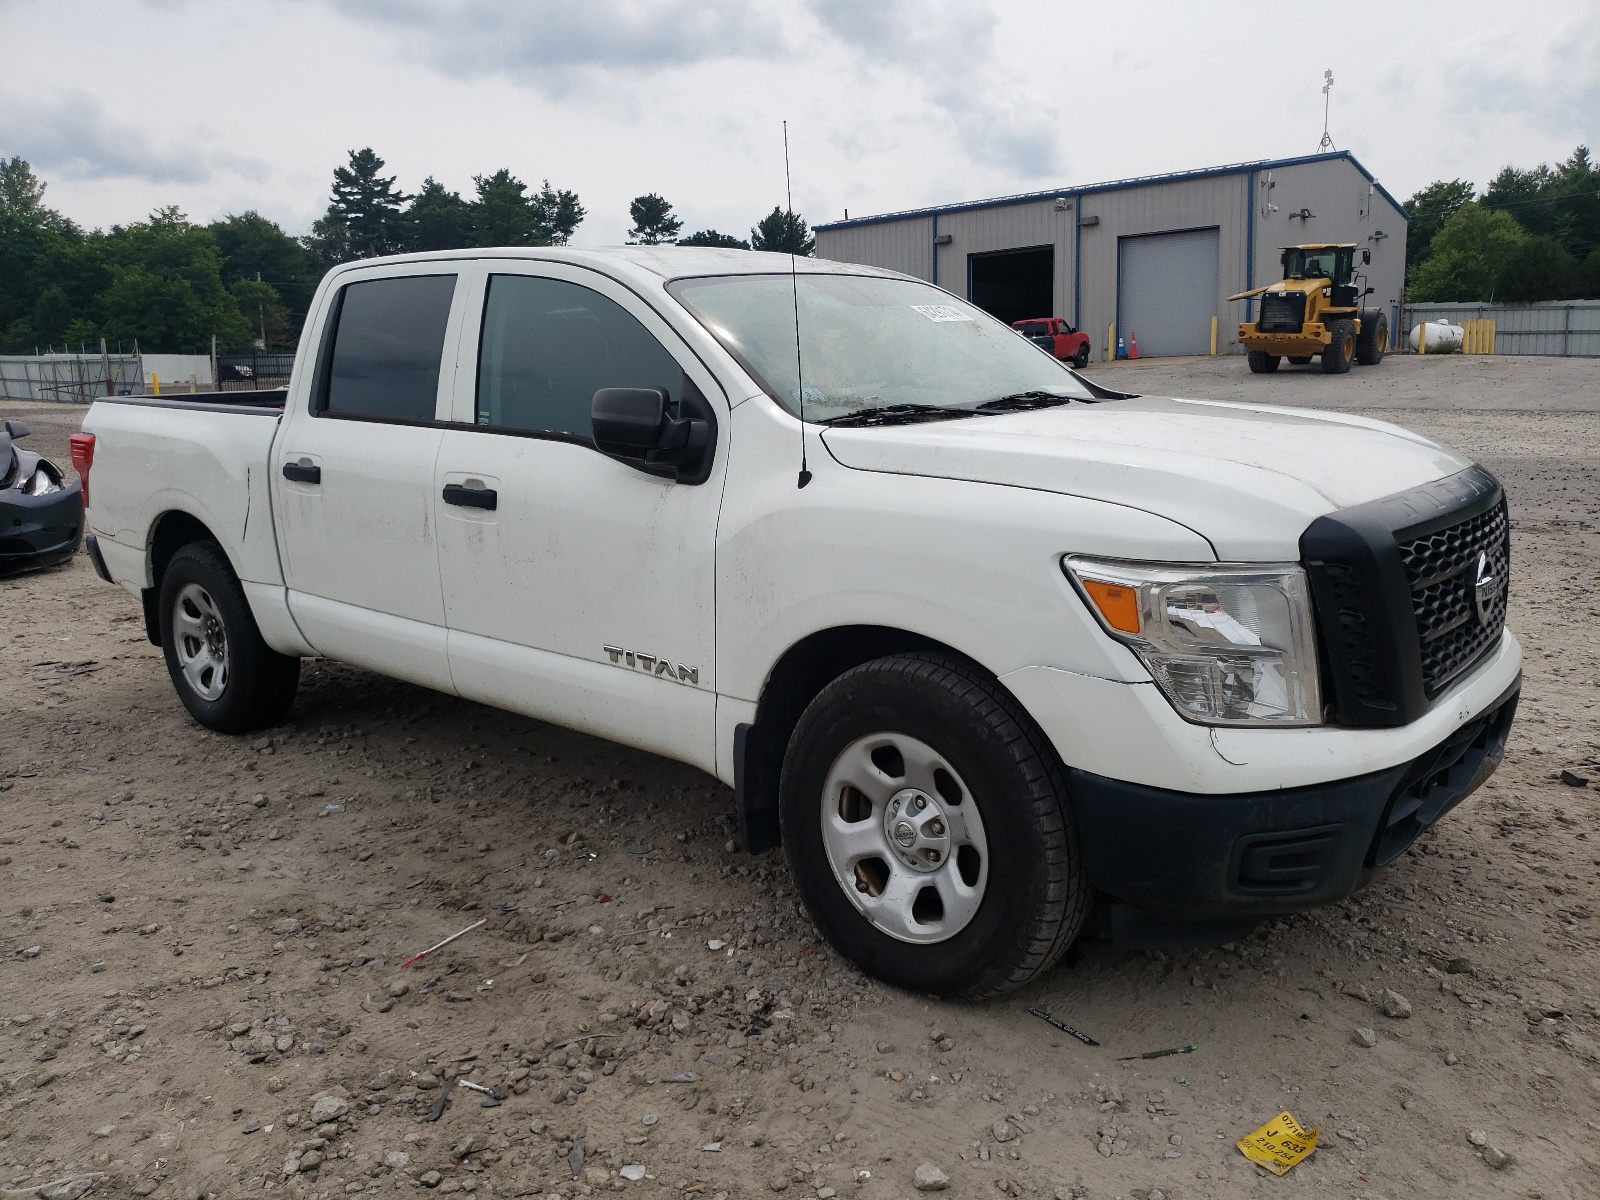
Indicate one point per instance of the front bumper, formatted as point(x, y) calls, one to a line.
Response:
point(39, 530)
point(1188, 869)
point(1312, 340)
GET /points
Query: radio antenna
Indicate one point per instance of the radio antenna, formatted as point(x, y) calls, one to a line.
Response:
point(794, 289)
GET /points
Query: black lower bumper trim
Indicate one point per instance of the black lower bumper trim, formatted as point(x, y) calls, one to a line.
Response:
point(1207, 866)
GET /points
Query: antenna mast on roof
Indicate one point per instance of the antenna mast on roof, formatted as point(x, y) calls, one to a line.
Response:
point(1327, 86)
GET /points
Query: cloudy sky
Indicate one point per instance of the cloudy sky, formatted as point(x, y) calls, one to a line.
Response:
point(220, 107)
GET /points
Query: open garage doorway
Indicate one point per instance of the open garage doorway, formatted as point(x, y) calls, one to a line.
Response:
point(1013, 285)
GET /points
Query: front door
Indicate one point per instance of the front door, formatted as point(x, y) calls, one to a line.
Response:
point(354, 476)
point(577, 588)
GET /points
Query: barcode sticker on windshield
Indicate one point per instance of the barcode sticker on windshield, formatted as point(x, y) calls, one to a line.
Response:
point(941, 312)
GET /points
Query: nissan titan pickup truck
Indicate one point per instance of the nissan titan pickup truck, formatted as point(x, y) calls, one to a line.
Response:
point(981, 643)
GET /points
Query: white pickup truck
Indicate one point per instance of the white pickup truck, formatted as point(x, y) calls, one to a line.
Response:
point(983, 644)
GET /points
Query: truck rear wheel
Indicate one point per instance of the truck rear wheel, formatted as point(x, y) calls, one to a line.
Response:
point(228, 678)
point(928, 829)
point(1341, 351)
point(1373, 339)
point(1262, 363)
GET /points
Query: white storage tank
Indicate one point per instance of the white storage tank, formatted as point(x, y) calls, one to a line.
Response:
point(1437, 337)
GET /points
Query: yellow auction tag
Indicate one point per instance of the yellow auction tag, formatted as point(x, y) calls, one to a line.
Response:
point(1279, 1144)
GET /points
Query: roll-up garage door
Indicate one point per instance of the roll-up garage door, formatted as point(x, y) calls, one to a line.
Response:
point(1167, 291)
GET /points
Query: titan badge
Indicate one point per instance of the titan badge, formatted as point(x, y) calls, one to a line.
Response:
point(652, 664)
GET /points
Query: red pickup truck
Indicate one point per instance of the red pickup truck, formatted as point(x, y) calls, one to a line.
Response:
point(1056, 336)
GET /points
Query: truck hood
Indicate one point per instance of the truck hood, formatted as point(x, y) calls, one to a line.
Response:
point(1248, 478)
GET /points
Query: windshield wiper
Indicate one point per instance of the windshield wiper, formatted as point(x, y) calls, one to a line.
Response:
point(897, 414)
point(1017, 401)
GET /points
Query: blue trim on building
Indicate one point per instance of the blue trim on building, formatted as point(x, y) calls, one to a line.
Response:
point(935, 251)
point(1077, 259)
point(1250, 245)
point(1269, 164)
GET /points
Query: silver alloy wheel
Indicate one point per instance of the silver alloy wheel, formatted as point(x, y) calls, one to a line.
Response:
point(904, 838)
point(201, 641)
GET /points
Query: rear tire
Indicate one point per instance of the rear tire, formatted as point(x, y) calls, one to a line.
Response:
point(1341, 352)
point(1262, 363)
point(995, 893)
point(1299, 360)
point(1373, 339)
point(228, 678)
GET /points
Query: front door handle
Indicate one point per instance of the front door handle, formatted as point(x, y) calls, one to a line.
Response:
point(470, 497)
point(302, 472)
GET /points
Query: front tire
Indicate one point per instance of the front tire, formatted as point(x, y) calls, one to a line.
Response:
point(1373, 339)
point(1262, 363)
point(927, 826)
point(1341, 351)
point(1081, 358)
point(228, 678)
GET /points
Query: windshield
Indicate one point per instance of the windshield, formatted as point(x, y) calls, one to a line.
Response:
point(869, 343)
point(1315, 264)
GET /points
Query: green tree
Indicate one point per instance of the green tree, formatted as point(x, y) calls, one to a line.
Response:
point(783, 232)
point(653, 220)
point(1538, 269)
point(1563, 202)
point(710, 237)
point(21, 191)
point(266, 314)
point(254, 247)
point(363, 218)
point(559, 213)
point(438, 219)
point(1468, 256)
point(502, 214)
point(1428, 210)
point(166, 287)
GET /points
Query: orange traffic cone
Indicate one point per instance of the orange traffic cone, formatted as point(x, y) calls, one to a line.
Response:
point(1133, 346)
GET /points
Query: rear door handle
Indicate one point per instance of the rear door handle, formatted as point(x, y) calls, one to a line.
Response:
point(302, 472)
point(470, 497)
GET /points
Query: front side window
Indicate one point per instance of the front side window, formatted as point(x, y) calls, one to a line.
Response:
point(388, 346)
point(868, 342)
point(548, 346)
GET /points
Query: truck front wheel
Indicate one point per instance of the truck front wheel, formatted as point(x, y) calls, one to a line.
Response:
point(928, 829)
point(1081, 358)
point(1262, 363)
point(228, 678)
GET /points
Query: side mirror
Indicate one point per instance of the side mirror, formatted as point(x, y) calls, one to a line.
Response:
point(16, 429)
point(1366, 257)
point(632, 424)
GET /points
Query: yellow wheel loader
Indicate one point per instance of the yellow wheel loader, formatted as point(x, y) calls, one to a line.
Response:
point(1315, 310)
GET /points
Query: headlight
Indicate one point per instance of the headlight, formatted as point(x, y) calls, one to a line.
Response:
point(1228, 645)
point(41, 483)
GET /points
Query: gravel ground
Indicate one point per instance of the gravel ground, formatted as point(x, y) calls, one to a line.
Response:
point(201, 938)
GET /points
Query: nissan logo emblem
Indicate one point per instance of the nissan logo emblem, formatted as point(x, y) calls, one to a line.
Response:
point(1486, 588)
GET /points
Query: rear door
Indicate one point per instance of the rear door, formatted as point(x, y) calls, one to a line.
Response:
point(578, 589)
point(354, 475)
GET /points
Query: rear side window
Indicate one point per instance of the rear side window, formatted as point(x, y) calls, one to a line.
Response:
point(388, 346)
point(548, 346)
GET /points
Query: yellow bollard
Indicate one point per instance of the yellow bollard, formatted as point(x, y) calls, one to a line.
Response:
point(1213, 337)
point(1422, 338)
point(155, 383)
point(1111, 341)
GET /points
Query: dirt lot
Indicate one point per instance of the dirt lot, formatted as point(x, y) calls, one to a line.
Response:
point(201, 938)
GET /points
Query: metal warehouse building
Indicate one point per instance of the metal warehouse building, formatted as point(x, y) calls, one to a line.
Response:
point(1154, 257)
